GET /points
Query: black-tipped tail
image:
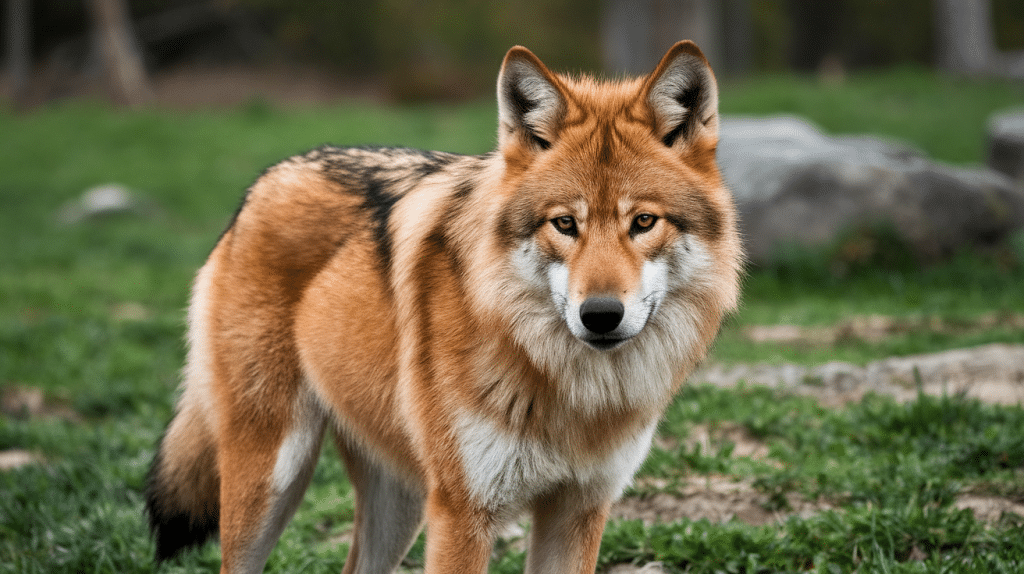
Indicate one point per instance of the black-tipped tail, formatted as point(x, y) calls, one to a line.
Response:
point(182, 500)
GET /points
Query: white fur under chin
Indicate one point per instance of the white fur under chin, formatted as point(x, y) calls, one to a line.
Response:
point(639, 374)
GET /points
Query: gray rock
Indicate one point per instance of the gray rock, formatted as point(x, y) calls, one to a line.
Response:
point(795, 185)
point(1006, 144)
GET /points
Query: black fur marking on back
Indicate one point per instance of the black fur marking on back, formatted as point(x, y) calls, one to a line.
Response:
point(173, 528)
point(382, 175)
point(462, 191)
point(436, 161)
point(380, 204)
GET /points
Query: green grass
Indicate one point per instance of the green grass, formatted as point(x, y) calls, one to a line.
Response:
point(92, 314)
point(808, 291)
point(892, 470)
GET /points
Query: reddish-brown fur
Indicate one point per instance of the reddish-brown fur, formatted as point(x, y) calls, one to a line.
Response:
point(377, 292)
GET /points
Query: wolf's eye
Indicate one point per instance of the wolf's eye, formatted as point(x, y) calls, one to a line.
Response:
point(565, 225)
point(642, 223)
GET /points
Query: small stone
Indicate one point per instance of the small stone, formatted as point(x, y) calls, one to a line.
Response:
point(100, 201)
point(14, 459)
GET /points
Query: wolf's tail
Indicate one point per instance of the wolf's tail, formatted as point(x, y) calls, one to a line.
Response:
point(183, 487)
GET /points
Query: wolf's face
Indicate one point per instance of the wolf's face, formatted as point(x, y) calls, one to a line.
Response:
point(616, 203)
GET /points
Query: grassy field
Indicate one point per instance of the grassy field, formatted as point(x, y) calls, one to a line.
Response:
point(91, 315)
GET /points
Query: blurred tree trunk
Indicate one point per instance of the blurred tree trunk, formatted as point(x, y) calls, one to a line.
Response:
point(19, 51)
point(816, 31)
point(737, 35)
point(965, 42)
point(637, 33)
point(119, 53)
point(625, 38)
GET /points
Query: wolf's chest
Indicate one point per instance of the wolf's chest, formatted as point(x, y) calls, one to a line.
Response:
point(505, 471)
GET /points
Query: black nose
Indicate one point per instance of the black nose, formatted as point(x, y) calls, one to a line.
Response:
point(601, 314)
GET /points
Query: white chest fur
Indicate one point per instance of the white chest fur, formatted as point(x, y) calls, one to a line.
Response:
point(505, 472)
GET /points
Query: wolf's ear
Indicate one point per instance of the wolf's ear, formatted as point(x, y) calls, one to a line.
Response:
point(683, 95)
point(530, 103)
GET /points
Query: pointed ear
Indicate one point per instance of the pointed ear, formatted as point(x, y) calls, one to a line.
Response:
point(530, 102)
point(683, 96)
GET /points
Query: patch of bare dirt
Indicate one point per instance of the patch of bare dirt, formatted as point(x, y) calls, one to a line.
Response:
point(649, 568)
point(29, 402)
point(711, 437)
point(875, 328)
point(716, 498)
point(12, 459)
point(992, 373)
point(989, 509)
point(21, 402)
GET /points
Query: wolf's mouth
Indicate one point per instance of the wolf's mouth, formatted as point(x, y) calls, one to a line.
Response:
point(605, 343)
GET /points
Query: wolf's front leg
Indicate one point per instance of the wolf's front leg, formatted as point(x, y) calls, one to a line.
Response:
point(459, 535)
point(566, 532)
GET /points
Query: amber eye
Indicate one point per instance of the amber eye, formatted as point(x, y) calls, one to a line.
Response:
point(642, 223)
point(565, 225)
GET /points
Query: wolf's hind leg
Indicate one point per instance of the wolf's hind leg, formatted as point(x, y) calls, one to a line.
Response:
point(262, 487)
point(388, 514)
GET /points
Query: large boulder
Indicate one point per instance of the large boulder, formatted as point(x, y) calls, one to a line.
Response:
point(795, 185)
point(1006, 144)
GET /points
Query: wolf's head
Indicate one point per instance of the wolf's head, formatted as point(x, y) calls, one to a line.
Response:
point(612, 210)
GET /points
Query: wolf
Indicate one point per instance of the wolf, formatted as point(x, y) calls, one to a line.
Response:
point(483, 336)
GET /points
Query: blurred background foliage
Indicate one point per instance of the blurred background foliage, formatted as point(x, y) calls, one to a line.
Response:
point(449, 49)
point(445, 48)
